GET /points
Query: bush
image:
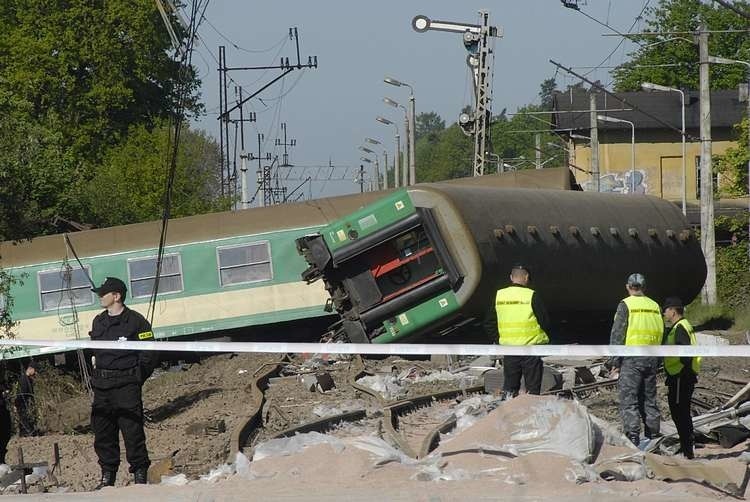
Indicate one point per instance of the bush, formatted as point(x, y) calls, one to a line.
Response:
point(733, 275)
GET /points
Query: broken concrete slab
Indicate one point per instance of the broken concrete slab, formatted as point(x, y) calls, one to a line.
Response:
point(320, 382)
point(529, 424)
point(726, 474)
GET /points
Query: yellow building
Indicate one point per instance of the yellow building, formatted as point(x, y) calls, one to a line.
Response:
point(656, 166)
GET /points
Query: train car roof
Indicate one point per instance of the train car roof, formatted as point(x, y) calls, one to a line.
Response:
point(210, 226)
point(197, 228)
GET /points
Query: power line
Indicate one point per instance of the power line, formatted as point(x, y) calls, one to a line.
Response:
point(236, 46)
point(623, 101)
point(635, 21)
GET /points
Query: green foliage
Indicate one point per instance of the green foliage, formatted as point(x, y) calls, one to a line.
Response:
point(733, 164)
point(733, 275)
point(6, 304)
point(429, 123)
point(708, 316)
point(444, 156)
point(546, 93)
point(673, 61)
point(75, 76)
point(129, 186)
point(742, 318)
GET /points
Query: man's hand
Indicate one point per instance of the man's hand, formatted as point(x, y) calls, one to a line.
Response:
point(614, 373)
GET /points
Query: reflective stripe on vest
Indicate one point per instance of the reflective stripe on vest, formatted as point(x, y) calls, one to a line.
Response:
point(645, 324)
point(516, 322)
point(673, 365)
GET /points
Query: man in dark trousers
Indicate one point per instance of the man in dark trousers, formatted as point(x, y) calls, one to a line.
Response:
point(117, 380)
point(522, 319)
point(25, 404)
point(682, 373)
point(6, 428)
point(638, 321)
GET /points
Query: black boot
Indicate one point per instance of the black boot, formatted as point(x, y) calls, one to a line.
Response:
point(108, 479)
point(140, 476)
point(635, 439)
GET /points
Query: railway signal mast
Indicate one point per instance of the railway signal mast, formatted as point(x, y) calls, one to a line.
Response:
point(476, 38)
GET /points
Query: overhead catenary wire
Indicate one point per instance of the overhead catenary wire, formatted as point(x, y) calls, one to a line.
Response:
point(198, 9)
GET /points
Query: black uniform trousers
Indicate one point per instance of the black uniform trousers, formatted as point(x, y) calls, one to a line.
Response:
point(6, 431)
point(114, 410)
point(530, 367)
point(679, 394)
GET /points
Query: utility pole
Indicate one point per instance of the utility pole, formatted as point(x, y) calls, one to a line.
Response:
point(361, 178)
point(286, 67)
point(538, 148)
point(385, 170)
point(377, 173)
point(476, 40)
point(708, 243)
point(594, 140)
point(286, 143)
point(405, 163)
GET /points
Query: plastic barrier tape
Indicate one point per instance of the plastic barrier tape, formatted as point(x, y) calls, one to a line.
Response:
point(398, 348)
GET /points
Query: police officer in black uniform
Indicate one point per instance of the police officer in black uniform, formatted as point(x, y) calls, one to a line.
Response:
point(117, 379)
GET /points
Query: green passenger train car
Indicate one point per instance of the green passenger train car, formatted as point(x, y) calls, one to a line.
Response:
point(221, 273)
point(430, 258)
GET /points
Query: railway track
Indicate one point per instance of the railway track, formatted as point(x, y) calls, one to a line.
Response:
point(409, 424)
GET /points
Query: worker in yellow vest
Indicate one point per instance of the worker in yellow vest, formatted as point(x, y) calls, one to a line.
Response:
point(638, 321)
point(522, 319)
point(682, 373)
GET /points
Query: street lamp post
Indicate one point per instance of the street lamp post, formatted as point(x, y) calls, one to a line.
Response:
point(367, 160)
point(719, 60)
point(377, 164)
point(397, 157)
point(412, 128)
point(606, 118)
point(407, 128)
point(385, 160)
point(648, 86)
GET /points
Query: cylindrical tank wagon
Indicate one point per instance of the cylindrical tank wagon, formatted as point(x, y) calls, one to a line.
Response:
point(431, 257)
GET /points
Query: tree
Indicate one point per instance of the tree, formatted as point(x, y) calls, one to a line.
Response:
point(732, 164)
point(546, 93)
point(672, 60)
point(428, 123)
point(75, 76)
point(129, 186)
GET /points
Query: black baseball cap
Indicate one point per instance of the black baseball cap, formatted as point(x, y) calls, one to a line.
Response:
point(673, 301)
point(111, 285)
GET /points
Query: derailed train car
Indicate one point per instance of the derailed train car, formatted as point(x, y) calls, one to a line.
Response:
point(429, 258)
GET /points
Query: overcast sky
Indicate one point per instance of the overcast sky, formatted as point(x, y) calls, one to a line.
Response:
point(329, 110)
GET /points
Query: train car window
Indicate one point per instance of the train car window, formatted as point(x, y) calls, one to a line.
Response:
point(142, 272)
point(63, 288)
point(244, 263)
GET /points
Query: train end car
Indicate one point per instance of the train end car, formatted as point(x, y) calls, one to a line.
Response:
point(429, 258)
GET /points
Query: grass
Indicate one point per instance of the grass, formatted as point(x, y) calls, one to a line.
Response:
point(742, 319)
point(709, 316)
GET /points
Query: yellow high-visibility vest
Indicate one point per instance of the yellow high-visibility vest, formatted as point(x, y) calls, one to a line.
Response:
point(516, 322)
point(673, 365)
point(645, 324)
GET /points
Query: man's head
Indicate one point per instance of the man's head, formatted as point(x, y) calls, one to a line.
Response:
point(673, 309)
point(635, 284)
point(112, 291)
point(520, 275)
point(31, 369)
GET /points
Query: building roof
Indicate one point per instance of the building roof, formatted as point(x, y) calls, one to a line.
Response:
point(726, 109)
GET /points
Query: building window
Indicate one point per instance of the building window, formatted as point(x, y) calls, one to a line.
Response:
point(244, 263)
point(698, 179)
point(142, 273)
point(64, 288)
